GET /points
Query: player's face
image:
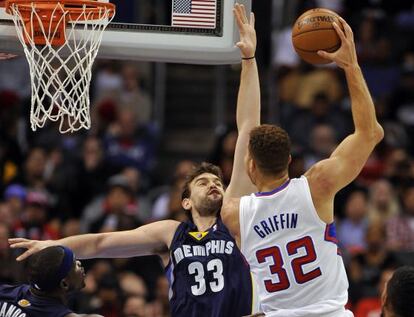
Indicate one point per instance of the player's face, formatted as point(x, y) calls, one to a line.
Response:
point(206, 194)
point(76, 277)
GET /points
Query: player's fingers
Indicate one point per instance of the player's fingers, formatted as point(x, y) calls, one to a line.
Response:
point(25, 255)
point(244, 14)
point(16, 240)
point(238, 18)
point(252, 19)
point(20, 245)
point(240, 45)
point(239, 11)
point(325, 54)
point(339, 31)
point(347, 29)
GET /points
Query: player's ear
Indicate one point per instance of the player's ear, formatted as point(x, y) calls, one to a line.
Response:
point(252, 165)
point(290, 159)
point(64, 284)
point(186, 203)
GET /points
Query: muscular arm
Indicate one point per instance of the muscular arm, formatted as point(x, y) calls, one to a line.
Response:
point(248, 117)
point(248, 104)
point(144, 240)
point(327, 177)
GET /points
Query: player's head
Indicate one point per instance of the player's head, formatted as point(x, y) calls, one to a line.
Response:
point(203, 190)
point(269, 152)
point(55, 269)
point(399, 294)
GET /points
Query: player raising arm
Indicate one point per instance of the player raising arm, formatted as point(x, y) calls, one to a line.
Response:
point(286, 231)
point(207, 272)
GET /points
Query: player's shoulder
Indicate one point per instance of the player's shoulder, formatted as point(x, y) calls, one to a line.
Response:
point(168, 226)
point(6, 289)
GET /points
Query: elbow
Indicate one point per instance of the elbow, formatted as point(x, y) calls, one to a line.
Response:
point(373, 135)
point(378, 133)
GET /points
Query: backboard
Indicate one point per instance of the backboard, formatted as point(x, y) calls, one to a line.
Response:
point(180, 31)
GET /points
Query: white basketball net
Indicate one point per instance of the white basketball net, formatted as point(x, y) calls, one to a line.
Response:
point(61, 75)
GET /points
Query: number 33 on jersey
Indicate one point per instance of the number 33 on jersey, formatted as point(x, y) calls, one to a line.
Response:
point(208, 274)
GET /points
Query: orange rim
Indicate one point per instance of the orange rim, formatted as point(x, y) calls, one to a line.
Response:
point(49, 17)
point(75, 8)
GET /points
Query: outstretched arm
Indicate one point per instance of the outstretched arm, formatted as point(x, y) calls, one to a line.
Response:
point(248, 117)
point(144, 240)
point(327, 177)
point(248, 103)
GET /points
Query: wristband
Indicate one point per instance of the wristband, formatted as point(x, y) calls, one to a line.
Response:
point(247, 58)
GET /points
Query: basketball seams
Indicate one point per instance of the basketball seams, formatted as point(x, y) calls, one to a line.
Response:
point(322, 49)
point(313, 30)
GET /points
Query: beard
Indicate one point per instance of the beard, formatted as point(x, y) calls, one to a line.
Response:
point(209, 206)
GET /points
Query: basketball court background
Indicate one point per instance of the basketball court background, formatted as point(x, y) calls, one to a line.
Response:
point(149, 119)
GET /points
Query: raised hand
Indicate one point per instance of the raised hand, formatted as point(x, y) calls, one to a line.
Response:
point(346, 55)
point(32, 246)
point(247, 44)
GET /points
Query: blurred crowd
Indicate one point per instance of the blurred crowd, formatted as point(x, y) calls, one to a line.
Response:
point(105, 179)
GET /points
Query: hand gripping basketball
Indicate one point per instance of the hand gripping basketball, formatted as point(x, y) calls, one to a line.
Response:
point(346, 55)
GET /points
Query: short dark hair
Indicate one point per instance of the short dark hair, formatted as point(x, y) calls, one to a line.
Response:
point(43, 267)
point(199, 169)
point(269, 146)
point(400, 292)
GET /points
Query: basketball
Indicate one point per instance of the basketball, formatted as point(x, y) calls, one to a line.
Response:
point(314, 31)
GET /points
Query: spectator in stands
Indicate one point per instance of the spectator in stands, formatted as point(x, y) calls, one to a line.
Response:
point(33, 174)
point(321, 111)
point(167, 199)
point(15, 197)
point(383, 203)
point(117, 209)
point(129, 144)
point(223, 153)
point(33, 222)
point(367, 265)
point(323, 142)
point(400, 228)
point(133, 96)
point(135, 306)
point(370, 306)
point(352, 230)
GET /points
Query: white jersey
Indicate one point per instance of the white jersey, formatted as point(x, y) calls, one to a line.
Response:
point(293, 254)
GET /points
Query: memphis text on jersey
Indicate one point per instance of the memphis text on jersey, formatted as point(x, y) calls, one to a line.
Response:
point(211, 247)
point(9, 310)
point(280, 221)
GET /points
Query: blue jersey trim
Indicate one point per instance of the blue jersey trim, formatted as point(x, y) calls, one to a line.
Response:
point(274, 191)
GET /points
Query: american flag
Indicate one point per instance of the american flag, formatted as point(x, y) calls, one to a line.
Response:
point(194, 13)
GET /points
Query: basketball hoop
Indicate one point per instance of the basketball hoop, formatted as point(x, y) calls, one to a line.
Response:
point(61, 39)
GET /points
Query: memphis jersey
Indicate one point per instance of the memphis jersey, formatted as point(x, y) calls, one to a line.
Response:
point(18, 301)
point(293, 254)
point(207, 273)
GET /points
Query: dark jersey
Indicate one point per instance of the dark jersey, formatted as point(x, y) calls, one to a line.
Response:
point(207, 273)
point(18, 301)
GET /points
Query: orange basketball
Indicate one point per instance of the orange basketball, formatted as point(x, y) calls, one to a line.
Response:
point(314, 31)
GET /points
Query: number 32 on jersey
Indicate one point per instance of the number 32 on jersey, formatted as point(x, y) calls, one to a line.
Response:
point(279, 267)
